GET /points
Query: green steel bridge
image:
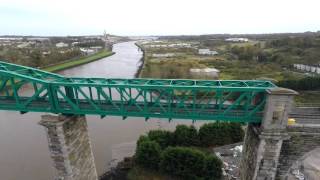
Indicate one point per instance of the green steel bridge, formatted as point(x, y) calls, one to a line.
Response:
point(28, 89)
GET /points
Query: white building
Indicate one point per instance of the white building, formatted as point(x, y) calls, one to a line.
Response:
point(46, 53)
point(165, 55)
point(75, 43)
point(207, 52)
point(173, 45)
point(87, 51)
point(307, 68)
point(207, 72)
point(61, 45)
point(96, 48)
point(237, 39)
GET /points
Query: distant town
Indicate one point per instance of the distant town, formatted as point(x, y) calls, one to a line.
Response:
point(43, 51)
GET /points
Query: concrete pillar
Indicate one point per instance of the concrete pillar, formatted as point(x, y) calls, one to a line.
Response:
point(263, 141)
point(70, 147)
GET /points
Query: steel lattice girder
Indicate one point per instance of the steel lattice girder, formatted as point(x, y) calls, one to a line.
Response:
point(230, 100)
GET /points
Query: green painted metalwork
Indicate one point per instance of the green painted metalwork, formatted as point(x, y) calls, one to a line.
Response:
point(229, 100)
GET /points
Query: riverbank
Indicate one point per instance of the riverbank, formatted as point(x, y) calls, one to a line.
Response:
point(76, 62)
point(142, 61)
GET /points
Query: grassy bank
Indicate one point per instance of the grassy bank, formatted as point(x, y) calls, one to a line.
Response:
point(138, 173)
point(77, 62)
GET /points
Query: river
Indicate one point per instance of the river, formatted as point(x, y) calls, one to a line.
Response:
point(23, 143)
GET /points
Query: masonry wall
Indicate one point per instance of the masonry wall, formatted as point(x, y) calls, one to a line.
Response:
point(70, 147)
point(303, 139)
point(250, 150)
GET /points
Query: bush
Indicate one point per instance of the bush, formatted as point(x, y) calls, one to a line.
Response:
point(183, 162)
point(236, 132)
point(141, 139)
point(162, 137)
point(307, 83)
point(213, 168)
point(210, 134)
point(148, 154)
point(216, 134)
point(185, 136)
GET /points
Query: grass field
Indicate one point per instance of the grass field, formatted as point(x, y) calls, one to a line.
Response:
point(308, 97)
point(77, 62)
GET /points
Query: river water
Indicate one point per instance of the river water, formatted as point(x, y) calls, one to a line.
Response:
point(23, 143)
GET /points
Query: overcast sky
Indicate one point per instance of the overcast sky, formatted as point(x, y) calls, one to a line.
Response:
point(157, 17)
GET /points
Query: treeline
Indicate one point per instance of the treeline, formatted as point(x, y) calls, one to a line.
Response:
point(308, 83)
point(284, 51)
point(250, 36)
point(35, 57)
point(91, 43)
point(176, 153)
point(300, 42)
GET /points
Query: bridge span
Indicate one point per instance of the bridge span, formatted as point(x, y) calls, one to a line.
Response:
point(262, 105)
point(230, 100)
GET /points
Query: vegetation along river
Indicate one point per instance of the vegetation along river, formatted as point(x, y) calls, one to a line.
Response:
point(23, 143)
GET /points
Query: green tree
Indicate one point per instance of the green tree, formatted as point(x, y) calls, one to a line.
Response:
point(162, 137)
point(216, 134)
point(213, 168)
point(185, 136)
point(148, 154)
point(183, 162)
point(141, 139)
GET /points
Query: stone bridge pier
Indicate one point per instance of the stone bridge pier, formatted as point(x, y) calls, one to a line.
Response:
point(263, 142)
point(70, 147)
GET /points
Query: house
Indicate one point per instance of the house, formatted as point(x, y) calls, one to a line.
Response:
point(166, 55)
point(308, 68)
point(207, 52)
point(61, 45)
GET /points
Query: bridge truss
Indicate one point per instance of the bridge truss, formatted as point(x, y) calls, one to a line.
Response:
point(27, 89)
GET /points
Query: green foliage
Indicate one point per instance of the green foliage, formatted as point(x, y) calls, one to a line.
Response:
point(213, 168)
point(148, 154)
point(188, 163)
point(236, 132)
point(308, 83)
point(141, 139)
point(169, 69)
point(139, 173)
point(155, 151)
point(183, 162)
point(185, 136)
point(249, 52)
point(162, 137)
point(91, 43)
point(216, 134)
